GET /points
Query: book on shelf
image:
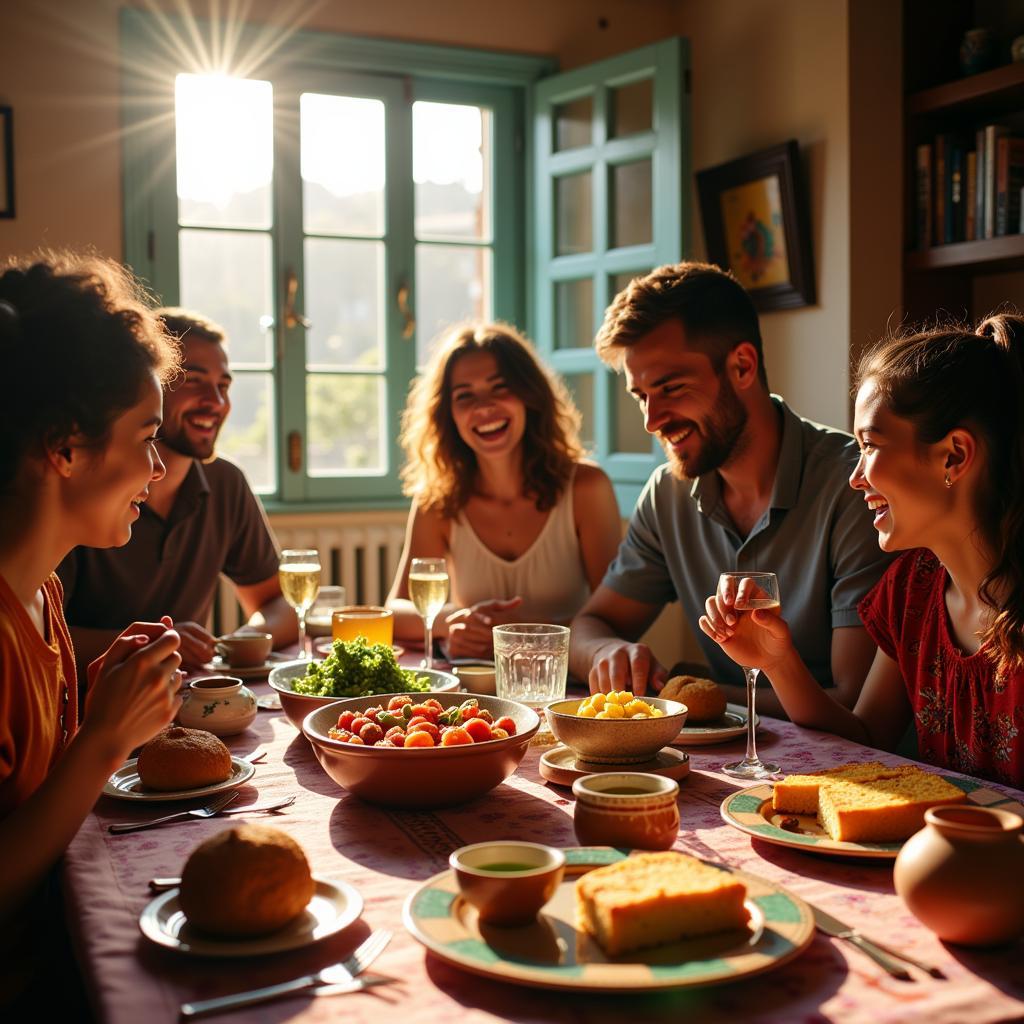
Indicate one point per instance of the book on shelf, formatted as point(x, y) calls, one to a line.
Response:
point(992, 132)
point(1009, 179)
point(979, 192)
point(970, 198)
point(923, 183)
point(955, 216)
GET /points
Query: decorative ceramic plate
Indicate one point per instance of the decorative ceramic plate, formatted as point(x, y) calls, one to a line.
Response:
point(552, 953)
point(561, 766)
point(125, 783)
point(221, 667)
point(335, 905)
point(720, 730)
point(750, 810)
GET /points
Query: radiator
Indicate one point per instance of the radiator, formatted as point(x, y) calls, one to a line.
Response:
point(359, 550)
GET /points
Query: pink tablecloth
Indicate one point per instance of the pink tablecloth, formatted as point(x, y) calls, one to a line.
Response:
point(384, 854)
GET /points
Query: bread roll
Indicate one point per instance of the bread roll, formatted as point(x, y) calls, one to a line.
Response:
point(245, 881)
point(180, 758)
point(704, 697)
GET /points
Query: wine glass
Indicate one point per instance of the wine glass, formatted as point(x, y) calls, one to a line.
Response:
point(299, 573)
point(428, 590)
point(753, 590)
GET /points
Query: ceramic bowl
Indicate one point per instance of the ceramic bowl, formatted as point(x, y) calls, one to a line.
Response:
point(627, 809)
point(507, 882)
point(245, 650)
point(297, 705)
point(421, 777)
point(476, 678)
point(615, 740)
point(223, 705)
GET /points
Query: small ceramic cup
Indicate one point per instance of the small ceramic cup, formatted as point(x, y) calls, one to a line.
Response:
point(476, 678)
point(219, 704)
point(245, 650)
point(628, 809)
point(508, 882)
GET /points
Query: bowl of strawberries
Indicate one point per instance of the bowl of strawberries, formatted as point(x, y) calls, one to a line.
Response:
point(420, 750)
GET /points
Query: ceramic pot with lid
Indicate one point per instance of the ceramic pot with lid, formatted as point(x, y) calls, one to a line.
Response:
point(219, 704)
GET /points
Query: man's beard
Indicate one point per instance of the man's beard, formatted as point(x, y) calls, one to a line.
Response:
point(721, 436)
point(180, 442)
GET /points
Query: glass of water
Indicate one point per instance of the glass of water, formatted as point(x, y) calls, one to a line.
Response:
point(531, 661)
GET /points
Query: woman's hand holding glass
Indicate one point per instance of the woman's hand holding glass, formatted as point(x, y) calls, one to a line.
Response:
point(765, 638)
point(469, 629)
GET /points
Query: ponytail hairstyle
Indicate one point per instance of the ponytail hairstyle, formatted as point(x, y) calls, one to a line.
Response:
point(945, 378)
point(440, 468)
point(78, 340)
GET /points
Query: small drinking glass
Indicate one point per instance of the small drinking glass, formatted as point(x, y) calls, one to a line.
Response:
point(531, 663)
point(760, 592)
point(428, 591)
point(299, 573)
point(318, 618)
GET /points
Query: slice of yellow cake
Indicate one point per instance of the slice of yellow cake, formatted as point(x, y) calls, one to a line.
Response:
point(798, 794)
point(882, 809)
point(652, 898)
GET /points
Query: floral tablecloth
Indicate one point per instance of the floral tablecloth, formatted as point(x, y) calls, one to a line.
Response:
point(385, 854)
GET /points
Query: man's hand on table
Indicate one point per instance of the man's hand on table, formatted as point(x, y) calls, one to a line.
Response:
point(619, 665)
point(197, 645)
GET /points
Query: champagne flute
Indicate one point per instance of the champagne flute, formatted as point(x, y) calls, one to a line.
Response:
point(299, 573)
point(428, 590)
point(753, 591)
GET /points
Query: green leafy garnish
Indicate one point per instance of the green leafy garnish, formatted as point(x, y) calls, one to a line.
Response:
point(355, 668)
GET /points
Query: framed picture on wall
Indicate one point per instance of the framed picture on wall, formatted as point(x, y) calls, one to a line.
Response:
point(6, 162)
point(756, 225)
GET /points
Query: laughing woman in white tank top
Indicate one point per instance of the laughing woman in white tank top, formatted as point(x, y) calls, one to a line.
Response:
point(494, 467)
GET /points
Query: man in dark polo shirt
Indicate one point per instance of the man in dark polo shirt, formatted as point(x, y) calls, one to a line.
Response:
point(201, 519)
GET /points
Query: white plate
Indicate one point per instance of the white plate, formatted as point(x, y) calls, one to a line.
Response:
point(732, 724)
point(221, 667)
point(335, 905)
point(125, 784)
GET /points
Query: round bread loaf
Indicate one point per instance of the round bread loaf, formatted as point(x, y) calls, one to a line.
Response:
point(245, 881)
point(704, 697)
point(180, 758)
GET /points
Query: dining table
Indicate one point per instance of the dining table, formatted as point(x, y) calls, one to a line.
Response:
point(386, 854)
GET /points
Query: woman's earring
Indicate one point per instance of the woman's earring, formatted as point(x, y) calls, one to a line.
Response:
point(947, 481)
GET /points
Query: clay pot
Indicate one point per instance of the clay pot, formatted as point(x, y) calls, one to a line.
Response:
point(962, 875)
point(628, 809)
point(222, 705)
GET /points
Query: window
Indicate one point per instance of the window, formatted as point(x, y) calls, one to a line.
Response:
point(335, 202)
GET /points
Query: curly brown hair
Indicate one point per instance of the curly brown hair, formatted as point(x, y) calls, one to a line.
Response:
point(440, 468)
point(79, 338)
point(715, 311)
point(952, 376)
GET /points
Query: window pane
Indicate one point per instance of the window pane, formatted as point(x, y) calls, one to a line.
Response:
point(343, 417)
point(451, 167)
point(225, 150)
point(572, 122)
point(573, 214)
point(250, 431)
point(632, 108)
point(630, 435)
point(342, 157)
point(581, 387)
point(574, 313)
point(453, 283)
point(227, 276)
point(345, 303)
point(631, 204)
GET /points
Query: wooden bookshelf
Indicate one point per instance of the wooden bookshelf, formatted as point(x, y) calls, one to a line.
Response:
point(985, 255)
point(990, 93)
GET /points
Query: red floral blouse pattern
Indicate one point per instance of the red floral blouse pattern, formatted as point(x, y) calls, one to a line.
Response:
point(967, 717)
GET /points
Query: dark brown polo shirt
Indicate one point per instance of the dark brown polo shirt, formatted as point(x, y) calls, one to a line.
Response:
point(170, 566)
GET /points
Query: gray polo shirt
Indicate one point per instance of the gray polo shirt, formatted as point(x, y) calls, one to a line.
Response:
point(816, 536)
point(170, 566)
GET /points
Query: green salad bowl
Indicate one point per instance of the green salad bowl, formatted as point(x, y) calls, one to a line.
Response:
point(297, 705)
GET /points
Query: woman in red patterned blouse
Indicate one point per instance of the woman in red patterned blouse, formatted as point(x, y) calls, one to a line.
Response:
point(940, 421)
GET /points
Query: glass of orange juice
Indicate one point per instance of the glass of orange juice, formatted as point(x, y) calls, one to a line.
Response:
point(372, 621)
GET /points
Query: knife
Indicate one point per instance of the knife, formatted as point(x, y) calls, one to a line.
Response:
point(879, 953)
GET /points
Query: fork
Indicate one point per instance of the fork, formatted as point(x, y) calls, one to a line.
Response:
point(215, 806)
point(341, 975)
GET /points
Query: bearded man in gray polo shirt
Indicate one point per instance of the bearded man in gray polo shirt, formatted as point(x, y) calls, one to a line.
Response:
point(749, 485)
point(201, 519)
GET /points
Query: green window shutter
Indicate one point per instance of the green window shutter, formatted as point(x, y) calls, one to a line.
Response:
point(610, 201)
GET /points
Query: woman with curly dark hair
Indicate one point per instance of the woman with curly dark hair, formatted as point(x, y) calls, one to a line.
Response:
point(83, 362)
point(940, 422)
point(500, 490)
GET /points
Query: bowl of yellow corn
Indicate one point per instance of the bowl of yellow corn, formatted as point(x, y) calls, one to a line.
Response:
point(617, 727)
